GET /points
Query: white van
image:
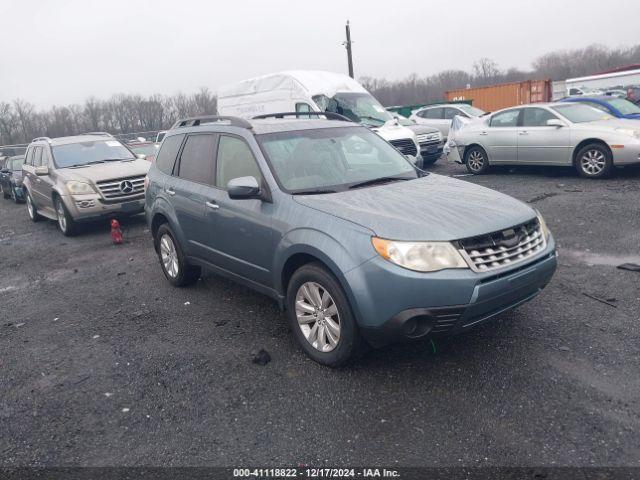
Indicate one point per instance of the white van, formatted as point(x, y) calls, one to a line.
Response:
point(315, 91)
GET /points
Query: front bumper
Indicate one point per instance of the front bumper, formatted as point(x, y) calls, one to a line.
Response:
point(628, 155)
point(431, 150)
point(394, 304)
point(92, 207)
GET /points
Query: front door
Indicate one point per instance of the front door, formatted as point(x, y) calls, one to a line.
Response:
point(542, 143)
point(242, 238)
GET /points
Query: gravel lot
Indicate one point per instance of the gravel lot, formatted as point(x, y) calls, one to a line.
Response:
point(104, 363)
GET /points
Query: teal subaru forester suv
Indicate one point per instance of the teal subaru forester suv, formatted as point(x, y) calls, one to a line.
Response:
point(319, 214)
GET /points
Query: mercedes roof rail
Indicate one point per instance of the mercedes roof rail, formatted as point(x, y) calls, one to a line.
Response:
point(307, 115)
point(41, 139)
point(208, 119)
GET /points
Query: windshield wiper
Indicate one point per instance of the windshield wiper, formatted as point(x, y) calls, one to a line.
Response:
point(315, 191)
point(377, 181)
point(117, 159)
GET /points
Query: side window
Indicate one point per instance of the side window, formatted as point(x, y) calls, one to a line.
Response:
point(37, 157)
point(166, 158)
point(303, 108)
point(196, 160)
point(45, 157)
point(28, 156)
point(536, 117)
point(432, 113)
point(505, 119)
point(574, 91)
point(449, 113)
point(235, 160)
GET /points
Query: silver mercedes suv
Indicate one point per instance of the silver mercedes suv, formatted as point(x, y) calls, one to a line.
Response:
point(85, 177)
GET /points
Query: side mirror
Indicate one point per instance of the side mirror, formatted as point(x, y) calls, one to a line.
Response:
point(141, 156)
point(42, 170)
point(554, 122)
point(4, 170)
point(243, 188)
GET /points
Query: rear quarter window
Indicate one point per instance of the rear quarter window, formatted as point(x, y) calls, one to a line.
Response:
point(168, 153)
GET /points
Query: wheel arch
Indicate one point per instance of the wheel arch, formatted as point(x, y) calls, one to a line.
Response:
point(469, 147)
point(588, 141)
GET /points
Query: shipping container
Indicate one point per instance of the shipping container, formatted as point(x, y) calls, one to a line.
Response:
point(495, 97)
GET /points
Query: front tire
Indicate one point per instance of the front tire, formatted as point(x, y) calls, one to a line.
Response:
point(31, 208)
point(594, 161)
point(5, 194)
point(172, 259)
point(476, 160)
point(320, 316)
point(66, 224)
point(14, 195)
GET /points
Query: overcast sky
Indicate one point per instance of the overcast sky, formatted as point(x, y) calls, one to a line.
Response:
point(57, 52)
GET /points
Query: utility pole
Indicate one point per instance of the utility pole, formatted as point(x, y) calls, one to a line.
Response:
point(347, 45)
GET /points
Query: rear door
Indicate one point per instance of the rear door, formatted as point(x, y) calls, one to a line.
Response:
point(541, 143)
point(38, 188)
point(500, 137)
point(190, 190)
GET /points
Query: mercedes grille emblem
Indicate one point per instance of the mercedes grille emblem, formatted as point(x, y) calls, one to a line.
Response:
point(126, 186)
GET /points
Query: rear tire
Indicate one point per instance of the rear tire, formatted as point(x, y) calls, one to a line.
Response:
point(594, 161)
point(476, 160)
point(31, 208)
point(66, 223)
point(174, 264)
point(5, 194)
point(320, 316)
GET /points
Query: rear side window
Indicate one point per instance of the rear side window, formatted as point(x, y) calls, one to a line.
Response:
point(505, 119)
point(196, 160)
point(235, 160)
point(166, 158)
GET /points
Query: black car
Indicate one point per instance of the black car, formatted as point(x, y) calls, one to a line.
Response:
point(11, 178)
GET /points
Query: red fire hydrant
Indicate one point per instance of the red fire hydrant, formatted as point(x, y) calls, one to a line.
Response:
point(116, 233)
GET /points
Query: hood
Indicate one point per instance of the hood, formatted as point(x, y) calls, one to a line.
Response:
point(434, 207)
point(607, 124)
point(419, 129)
point(394, 131)
point(106, 171)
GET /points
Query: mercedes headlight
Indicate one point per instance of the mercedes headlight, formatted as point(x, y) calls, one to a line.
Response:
point(632, 132)
point(543, 226)
point(78, 188)
point(419, 256)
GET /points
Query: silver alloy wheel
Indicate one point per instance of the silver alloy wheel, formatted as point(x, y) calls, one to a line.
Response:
point(318, 316)
point(475, 161)
point(30, 207)
point(62, 219)
point(593, 162)
point(169, 256)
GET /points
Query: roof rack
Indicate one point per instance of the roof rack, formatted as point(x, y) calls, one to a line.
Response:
point(41, 139)
point(328, 115)
point(207, 119)
point(106, 134)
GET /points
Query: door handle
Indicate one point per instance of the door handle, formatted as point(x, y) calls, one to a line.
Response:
point(484, 133)
point(523, 132)
point(212, 205)
point(170, 191)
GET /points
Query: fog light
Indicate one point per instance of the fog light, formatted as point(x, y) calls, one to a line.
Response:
point(85, 203)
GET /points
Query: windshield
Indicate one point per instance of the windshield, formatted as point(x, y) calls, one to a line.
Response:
point(473, 111)
point(581, 113)
point(359, 107)
point(151, 150)
point(332, 159)
point(83, 153)
point(625, 107)
point(16, 163)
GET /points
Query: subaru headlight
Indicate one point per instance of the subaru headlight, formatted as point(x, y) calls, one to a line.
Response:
point(419, 256)
point(79, 188)
point(632, 132)
point(543, 226)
